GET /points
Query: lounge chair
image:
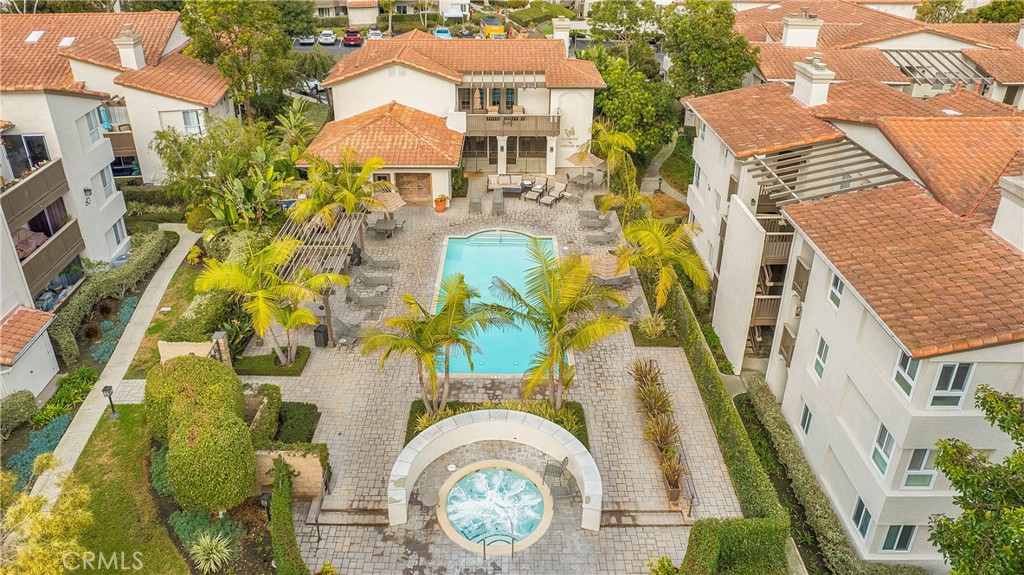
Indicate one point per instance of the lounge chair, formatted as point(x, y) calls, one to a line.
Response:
point(498, 207)
point(628, 311)
point(365, 300)
point(614, 282)
point(564, 491)
point(555, 468)
point(350, 332)
point(597, 222)
point(475, 204)
point(589, 214)
point(380, 264)
point(372, 281)
point(554, 194)
point(540, 185)
point(605, 237)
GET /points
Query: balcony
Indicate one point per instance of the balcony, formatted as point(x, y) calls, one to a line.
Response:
point(123, 143)
point(766, 309)
point(800, 276)
point(28, 197)
point(53, 256)
point(511, 125)
point(777, 241)
point(786, 345)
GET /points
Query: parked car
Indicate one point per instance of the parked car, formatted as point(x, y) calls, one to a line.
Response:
point(352, 37)
point(328, 38)
point(374, 34)
point(465, 34)
point(443, 33)
point(310, 87)
point(307, 40)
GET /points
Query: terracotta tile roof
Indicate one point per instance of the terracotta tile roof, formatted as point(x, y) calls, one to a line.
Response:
point(42, 64)
point(451, 60)
point(996, 35)
point(958, 158)
point(845, 23)
point(1005, 66)
point(178, 76)
point(970, 103)
point(362, 3)
point(863, 101)
point(18, 329)
point(4, 124)
point(939, 284)
point(776, 63)
point(400, 135)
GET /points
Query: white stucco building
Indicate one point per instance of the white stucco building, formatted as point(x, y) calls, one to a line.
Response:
point(517, 106)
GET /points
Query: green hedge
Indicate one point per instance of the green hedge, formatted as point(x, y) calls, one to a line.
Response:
point(264, 425)
point(147, 252)
point(283, 544)
point(15, 410)
point(161, 217)
point(839, 554)
point(211, 462)
point(205, 315)
point(332, 22)
point(298, 422)
point(185, 385)
point(136, 226)
point(267, 364)
point(402, 23)
point(153, 195)
point(571, 417)
point(539, 12)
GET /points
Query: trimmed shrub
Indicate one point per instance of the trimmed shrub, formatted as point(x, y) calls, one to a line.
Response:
point(147, 253)
point(264, 425)
point(136, 226)
point(298, 421)
point(188, 525)
point(211, 463)
point(15, 410)
point(42, 441)
point(197, 218)
point(204, 316)
point(266, 364)
point(161, 217)
point(539, 12)
point(158, 471)
point(283, 545)
point(189, 384)
point(332, 22)
point(72, 389)
point(839, 554)
point(153, 195)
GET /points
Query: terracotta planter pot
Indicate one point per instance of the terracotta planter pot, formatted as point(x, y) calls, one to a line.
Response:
point(440, 206)
point(673, 492)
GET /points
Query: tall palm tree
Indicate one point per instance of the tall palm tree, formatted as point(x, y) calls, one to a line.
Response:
point(331, 189)
point(654, 248)
point(294, 127)
point(630, 201)
point(561, 305)
point(428, 337)
point(614, 147)
point(266, 296)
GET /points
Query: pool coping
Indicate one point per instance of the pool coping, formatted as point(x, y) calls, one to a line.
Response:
point(500, 549)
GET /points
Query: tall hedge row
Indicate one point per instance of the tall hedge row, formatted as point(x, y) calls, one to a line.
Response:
point(283, 545)
point(148, 250)
point(839, 553)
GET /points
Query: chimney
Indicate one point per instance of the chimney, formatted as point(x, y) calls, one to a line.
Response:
point(129, 48)
point(812, 80)
point(1020, 34)
point(801, 31)
point(560, 31)
point(1009, 221)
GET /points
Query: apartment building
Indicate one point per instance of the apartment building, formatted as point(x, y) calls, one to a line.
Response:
point(512, 106)
point(363, 12)
point(134, 61)
point(932, 58)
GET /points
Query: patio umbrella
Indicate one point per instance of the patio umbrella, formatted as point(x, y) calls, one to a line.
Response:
point(386, 202)
point(585, 160)
point(606, 266)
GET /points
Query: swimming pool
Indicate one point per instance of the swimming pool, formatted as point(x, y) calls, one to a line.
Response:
point(479, 258)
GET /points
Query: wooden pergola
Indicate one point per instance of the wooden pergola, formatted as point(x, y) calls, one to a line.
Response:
point(323, 250)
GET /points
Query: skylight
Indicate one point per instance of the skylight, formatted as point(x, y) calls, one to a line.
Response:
point(34, 36)
point(952, 113)
point(66, 41)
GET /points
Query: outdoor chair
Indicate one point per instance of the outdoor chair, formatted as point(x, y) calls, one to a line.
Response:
point(350, 332)
point(589, 214)
point(372, 281)
point(380, 264)
point(564, 491)
point(498, 207)
point(364, 300)
point(533, 195)
point(606, 237)
point(614, 282)
point(628, 311)
point(554, 194)
point(475, 205)
point(555, 468)
point(540, 185)
point(596, 223)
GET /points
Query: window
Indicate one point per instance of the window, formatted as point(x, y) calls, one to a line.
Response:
point(510, 98)
point(951, 385)
point(107, 182)
point(464, 99)
point(323, 12)
point(835, 290)
point(696, 176)
point(820, 356)
point(118, 229)
point(192, 125)
point(34, 36)
point(805, 419)
point(703, 130)
point(23, 152)
point(898, 538)
point(882, 451)
point(861, 518)
point(382, 178)
point(725, 155)
point(906, 372)
point(921, 470)
point(718, 203)
point(401, 9)
point(92, 122)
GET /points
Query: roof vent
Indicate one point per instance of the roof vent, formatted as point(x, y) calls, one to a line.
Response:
point(66, 41)
point(34, 36)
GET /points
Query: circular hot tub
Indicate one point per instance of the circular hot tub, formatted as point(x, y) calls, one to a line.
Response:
point(499, 503)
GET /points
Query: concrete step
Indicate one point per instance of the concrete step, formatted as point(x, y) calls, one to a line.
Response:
point(644, 518)
point(345, 516)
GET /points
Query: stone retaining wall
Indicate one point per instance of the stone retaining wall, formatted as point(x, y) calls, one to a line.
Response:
point(305, 485)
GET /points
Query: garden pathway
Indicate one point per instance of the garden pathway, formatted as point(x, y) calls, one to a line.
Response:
point(650, 183)
point(74, 440)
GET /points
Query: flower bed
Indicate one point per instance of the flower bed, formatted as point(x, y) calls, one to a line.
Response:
point(111, 331)
point(569, 417)
point(43, 440)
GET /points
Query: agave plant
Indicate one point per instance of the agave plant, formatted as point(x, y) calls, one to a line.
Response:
point(211, 552)
point(661, 431)
point(673, 471)
point(654, 398)
point(653, 326)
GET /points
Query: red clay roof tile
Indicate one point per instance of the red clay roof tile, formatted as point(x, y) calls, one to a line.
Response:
point(18, 329)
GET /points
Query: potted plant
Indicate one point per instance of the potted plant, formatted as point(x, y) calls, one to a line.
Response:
point(673, 471)
point(441, 203)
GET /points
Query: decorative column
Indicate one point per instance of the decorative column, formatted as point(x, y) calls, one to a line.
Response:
point(502, 154)
point(552, 155)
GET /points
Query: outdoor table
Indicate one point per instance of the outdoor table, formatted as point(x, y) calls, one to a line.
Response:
point(583, 180)
point(509, 191)
point(526, 186)
point(385, 227)
point(381, 289)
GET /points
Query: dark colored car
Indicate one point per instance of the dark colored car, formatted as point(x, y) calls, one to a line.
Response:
point(352, 37)
point(465, 34)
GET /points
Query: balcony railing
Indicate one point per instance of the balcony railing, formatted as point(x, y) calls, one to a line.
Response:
point(800, 276)
point(22, 201)
point(123, 144)
point(786, 345)
point(53, 256)
point(511, 125)
point(777, 241)
point(766, 309)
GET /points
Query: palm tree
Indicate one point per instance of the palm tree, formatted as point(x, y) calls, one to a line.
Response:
point(331, 189)
point(560, 304)
point(294, 127)
point(630, 201)
point(388, 7)
point(654, 248)
point(614, 147)
point(266, 296)
point(428, 337)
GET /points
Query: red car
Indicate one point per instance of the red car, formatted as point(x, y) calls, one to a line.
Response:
point(352, 37)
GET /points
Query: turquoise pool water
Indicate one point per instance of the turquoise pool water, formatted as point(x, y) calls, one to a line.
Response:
point(494, 502)
point(480, 257)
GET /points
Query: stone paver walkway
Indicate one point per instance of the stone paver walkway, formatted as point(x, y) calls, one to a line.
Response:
point(77, 435)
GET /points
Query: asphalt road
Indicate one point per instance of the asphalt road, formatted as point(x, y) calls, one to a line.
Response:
point(336, 51)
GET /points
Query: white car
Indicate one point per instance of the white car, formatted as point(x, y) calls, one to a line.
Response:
point(374, 35)
point(307, 40)
point(328, 38)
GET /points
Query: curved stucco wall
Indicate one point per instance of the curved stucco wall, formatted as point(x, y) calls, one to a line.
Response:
point(494, 425)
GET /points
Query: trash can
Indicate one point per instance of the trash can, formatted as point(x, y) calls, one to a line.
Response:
point(320, 335)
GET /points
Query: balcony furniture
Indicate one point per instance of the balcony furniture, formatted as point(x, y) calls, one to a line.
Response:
point(554, 194)
point(382, 289)
point(564, 491)
point(492, 109)
point(627, 312)
point(49, 259)
point(596, 223)
point(518, 110)
point(621, 281)
point(26, 241)
point(540, 185)
point(384, 228)
point(589, 214)
point(496, 182)
point(350, 332)
point(555, 469)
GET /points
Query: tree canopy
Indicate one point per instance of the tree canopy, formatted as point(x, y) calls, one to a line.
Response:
point(1006, 11)
point(940, 11)
point(298, 17)
point(626, 22)
point(708, 55)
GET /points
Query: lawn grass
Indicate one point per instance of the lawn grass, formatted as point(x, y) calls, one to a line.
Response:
point(267, 364)
point(538, 12)
point(678, 168)
point(179, 294)
point(125, 517)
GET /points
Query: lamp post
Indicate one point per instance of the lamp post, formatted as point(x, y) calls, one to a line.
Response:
point(265, 504)
point(659, 184)
point(108, 392)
